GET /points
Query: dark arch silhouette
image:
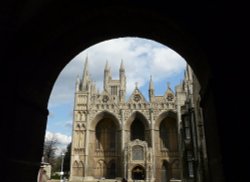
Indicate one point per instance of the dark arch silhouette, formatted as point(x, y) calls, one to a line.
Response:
point(137, 130)
point(37, 43)
point(138, 173)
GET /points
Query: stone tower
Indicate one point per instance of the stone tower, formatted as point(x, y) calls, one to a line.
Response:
point(114, 138)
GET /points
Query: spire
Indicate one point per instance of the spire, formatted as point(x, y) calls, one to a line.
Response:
point(151, 84)
point(151, 90)
point(136, 85)
point(106, 76)
point(106, 66)
point(77, 83)
point(168, 83)
point(122, 66)
point(86, 69)
point(85, 75)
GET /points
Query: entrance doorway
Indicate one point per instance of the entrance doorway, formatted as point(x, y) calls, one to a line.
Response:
point(138, 173)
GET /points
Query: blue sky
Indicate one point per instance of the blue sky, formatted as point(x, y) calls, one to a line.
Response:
point(141, 58)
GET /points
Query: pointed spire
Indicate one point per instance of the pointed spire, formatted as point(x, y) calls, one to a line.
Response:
point(77, 79)
point(106, 66)
point(85, 75)
point(151, 84)
point(168, 83)
point(136, 85)
point(151, 90)
point(77, 83)
point(86, 69)
point(122, 66)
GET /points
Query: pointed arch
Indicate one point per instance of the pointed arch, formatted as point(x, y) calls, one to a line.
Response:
point(168, 134)
point(107, 115)
point(138, 127)
point(138, 173)
point(81, 169)
point(166, 114)
point(101, 169)
point(106, 135)
point(75, 168)
point(139, 116)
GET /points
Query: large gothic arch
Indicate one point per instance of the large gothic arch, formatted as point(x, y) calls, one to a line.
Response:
point(104, 140)
point(138, 115)
point(137, 127)
point(102, 115)
point(163, 115)
point(184, 32)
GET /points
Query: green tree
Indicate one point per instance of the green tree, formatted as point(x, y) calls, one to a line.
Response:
point(66, 165)
point(49, 151)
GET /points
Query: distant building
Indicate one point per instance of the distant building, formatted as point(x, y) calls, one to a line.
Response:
point(135, 138)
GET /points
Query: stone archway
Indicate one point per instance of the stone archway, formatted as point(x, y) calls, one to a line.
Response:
point(138, 173)
point(147, 20)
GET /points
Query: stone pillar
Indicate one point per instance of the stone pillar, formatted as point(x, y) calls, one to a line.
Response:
point(122, 130)
point(23, 143)
point(86, 169)
point(151, 112)
point(123, 157)
point(215, 173)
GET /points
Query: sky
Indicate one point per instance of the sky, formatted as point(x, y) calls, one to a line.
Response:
point(142, 58)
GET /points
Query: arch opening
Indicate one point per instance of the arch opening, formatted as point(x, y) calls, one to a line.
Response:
point(137, 130)
point(107, 123)
point(138, 173)
point(106, 135)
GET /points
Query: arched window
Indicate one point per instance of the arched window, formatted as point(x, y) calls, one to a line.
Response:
point(81, 169)
point(75, 168)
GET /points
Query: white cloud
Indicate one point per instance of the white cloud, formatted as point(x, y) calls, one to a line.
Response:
point(60, 138)
point(62, 141)
point(142, 58)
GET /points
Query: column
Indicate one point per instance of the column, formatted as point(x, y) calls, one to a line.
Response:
point(86, 171)
point(151, 111)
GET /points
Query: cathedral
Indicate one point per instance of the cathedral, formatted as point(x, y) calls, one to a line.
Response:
point(155, 140)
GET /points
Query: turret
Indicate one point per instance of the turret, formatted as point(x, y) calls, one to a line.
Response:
point(122, 83)
point(85, 77)
point(77, 84)
point(151, 90)
point(106, 76)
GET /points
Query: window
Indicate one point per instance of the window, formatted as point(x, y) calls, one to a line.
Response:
point(113, 90)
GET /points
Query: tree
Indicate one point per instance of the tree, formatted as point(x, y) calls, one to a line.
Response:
point(49, 150)
point(66, 165)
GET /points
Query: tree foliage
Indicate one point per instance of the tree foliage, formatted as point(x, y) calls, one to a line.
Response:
point(49, 150)
point(66, 165)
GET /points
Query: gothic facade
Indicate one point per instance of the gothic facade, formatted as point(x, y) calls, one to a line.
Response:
point(114, 137)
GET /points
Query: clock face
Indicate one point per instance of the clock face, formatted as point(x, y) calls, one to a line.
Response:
point(105, 98)
point(137, 97)
point(170, 97)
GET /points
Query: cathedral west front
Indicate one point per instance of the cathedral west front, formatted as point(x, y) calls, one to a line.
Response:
point(116, 137)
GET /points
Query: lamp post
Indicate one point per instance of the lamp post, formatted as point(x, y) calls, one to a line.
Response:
point(61, 179)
